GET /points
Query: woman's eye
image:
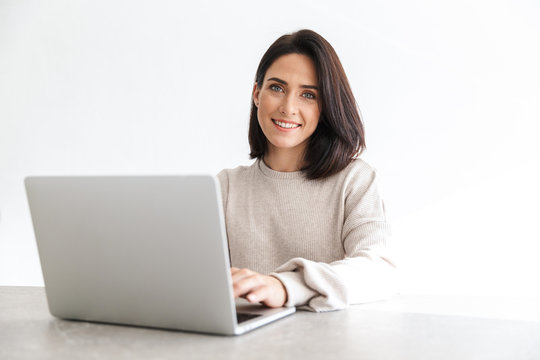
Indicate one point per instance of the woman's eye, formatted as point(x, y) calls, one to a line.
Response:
point(308, 95)
point(276, 88)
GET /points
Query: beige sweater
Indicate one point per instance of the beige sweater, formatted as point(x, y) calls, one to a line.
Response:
point(326, 240)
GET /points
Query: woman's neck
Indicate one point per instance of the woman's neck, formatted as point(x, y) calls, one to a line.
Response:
point(284, 160)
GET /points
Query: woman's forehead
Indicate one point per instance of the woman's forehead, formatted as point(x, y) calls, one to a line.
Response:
point(293, 68)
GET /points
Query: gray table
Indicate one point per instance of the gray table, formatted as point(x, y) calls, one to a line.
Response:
point(402, 328)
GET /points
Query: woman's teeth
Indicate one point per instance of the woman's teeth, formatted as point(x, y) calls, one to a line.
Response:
point(285, 125)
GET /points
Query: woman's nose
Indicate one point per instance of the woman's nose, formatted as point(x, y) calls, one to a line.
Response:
point(288, 105)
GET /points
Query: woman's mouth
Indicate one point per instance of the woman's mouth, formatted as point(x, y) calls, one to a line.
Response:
point(285, 125)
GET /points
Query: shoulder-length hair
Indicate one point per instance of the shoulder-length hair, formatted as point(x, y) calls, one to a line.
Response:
point(339, 137)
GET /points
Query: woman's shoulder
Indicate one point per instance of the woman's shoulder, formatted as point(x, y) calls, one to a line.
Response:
point(358, 175)
point(357, 167)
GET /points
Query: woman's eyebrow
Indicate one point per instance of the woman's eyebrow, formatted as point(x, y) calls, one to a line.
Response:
point(285, 83)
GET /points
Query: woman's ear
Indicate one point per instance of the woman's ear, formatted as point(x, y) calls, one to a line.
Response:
point(255, 96)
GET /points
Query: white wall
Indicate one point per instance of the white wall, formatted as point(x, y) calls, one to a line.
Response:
point(449, 92)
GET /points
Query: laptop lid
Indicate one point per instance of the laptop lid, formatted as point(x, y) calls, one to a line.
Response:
point(137, 250)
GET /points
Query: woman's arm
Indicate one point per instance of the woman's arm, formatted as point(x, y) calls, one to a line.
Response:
point(368, 276)
point(365, 274)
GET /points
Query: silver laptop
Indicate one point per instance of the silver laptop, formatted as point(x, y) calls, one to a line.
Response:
point(139, 250)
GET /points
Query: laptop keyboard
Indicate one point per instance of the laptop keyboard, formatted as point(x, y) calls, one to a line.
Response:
point(241, 317)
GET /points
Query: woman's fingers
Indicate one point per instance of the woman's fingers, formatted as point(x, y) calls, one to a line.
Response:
point(256, 287)
point(259, 294)
point(244, 282)
point(240, 274)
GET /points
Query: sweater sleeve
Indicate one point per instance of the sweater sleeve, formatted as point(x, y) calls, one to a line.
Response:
point(366, 273)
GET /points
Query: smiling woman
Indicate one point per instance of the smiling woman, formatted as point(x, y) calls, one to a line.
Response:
point(305, 223)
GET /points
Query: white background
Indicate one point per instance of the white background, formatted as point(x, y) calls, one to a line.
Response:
point(449, 91)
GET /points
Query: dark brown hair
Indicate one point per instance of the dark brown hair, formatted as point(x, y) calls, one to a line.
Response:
point(339, 136)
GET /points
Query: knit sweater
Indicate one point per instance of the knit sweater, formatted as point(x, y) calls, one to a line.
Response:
point(326, 240)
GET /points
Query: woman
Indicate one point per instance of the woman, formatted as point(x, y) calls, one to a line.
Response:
point(305, 222)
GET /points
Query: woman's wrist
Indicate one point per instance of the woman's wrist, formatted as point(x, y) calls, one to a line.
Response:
point(282, 289)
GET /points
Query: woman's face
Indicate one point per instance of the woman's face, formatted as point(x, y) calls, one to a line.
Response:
point(288, 102)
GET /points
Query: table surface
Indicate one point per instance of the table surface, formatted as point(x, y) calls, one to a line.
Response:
point(405, 327)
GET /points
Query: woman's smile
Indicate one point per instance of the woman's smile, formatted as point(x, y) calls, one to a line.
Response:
point(284, 125)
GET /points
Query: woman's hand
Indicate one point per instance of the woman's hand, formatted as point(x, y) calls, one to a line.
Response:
point(256, 287)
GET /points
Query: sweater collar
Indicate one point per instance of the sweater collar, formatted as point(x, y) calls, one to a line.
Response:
point(267, 171)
